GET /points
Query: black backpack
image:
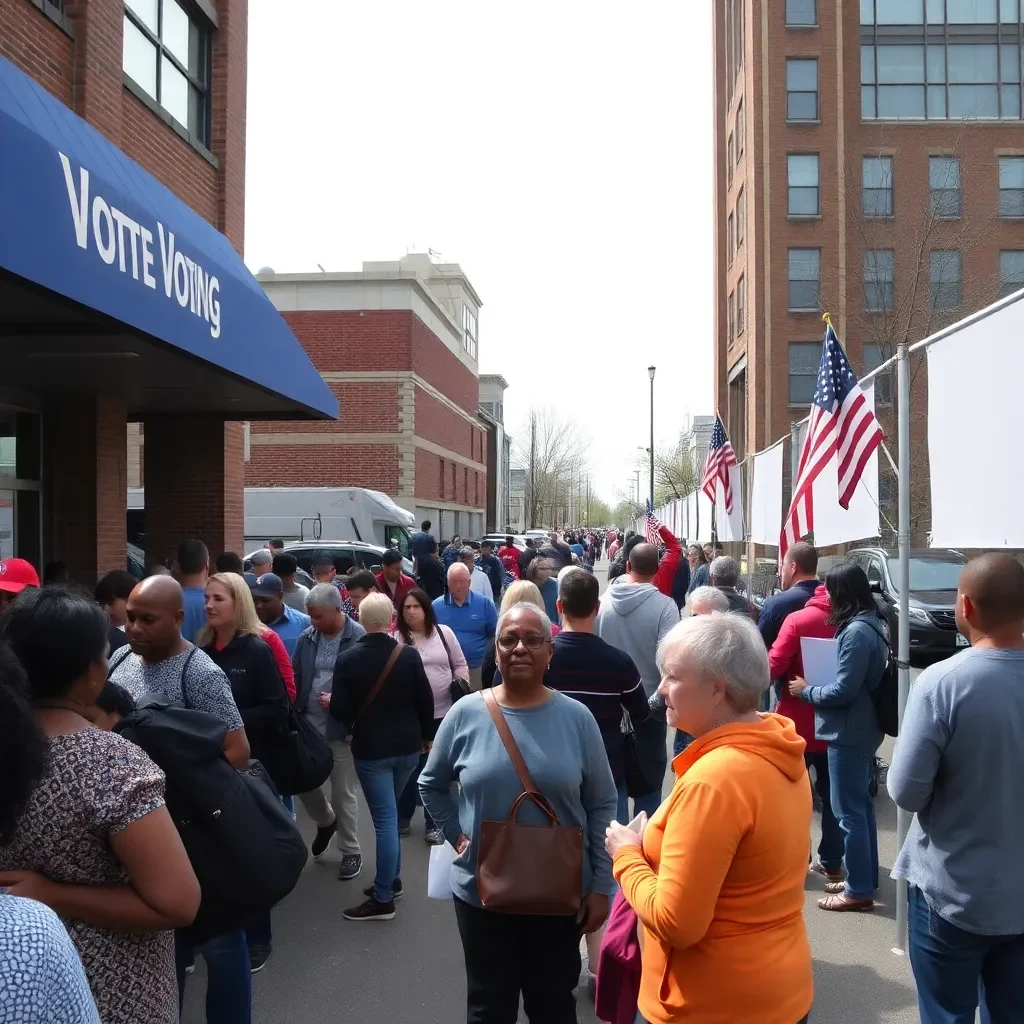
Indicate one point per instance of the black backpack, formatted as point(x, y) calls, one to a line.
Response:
point(243, 845)
point(886, 695)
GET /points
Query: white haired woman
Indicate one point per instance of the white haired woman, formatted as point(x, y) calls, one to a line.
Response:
point(512, 951)
point(382, 697)
point(717, 875)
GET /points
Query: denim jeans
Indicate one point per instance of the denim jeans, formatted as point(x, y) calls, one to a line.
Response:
point(652, 734)
point(849, 771)
point(955, 969)
point(383, 781)
point(410, 798)
point(831, 847)
point(228, 976)
point(257, 931)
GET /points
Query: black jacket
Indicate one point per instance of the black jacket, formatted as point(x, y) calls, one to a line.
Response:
point(401, 716)
point(259, 692)
point(430, 572)
point(525, 558)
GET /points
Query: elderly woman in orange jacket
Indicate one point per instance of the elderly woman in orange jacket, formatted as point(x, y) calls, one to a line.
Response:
point(716, 877)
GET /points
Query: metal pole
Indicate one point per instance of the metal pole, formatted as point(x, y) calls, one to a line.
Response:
point(652, 436)
point(903, 411)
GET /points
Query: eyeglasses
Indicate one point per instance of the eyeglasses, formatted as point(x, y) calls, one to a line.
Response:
point(532, 641)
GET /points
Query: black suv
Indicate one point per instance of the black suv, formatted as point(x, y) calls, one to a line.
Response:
point(933, 578)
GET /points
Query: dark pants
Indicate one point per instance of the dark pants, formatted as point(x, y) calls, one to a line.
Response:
point(410, 798)
point(228, 976)
point(955, 969)
point(651, 734)
point(831, 847)
point(511, 953)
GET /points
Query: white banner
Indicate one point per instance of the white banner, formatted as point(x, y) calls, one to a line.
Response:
point(977, 490)
point(766, 499)
point(730, 527)
point(836, 525)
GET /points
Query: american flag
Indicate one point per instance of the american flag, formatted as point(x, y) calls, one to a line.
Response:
point(651, 525)
point(720, 458)
point(841, 421)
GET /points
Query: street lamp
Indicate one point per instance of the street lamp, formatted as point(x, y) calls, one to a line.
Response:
point(650, 373)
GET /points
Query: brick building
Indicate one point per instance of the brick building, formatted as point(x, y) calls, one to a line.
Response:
point(123, 297)
point(869, 161)
point(397, 344)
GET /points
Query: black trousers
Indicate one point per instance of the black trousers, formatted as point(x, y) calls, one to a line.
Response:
point(511, 953)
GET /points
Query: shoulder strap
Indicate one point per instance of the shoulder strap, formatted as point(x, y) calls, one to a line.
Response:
point(508, 740)
point(112, 665)
point(444, 642)
point(184, 681)
point(381, 679)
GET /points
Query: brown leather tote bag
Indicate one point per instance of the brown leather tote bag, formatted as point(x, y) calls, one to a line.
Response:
point(528, 869)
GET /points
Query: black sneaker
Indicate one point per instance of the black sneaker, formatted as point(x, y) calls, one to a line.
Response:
point(404, 829)
point(258, 957)
point(371, 910)
point(351, 865)
point(397, 890)
point(323, 839)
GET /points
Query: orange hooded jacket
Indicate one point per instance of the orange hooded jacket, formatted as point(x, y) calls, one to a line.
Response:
point(719, 884)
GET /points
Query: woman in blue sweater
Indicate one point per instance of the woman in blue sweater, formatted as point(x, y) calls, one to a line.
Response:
point(845, 717)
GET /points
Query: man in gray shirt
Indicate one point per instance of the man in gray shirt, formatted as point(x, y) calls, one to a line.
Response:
point(331, 632)
point(959, 766)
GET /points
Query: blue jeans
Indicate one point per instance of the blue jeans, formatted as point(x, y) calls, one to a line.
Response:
point(410, 798)
point(849, 770)
point(955, 969)
point(383, 781)
point(651, 733)
point(831, 847)
point(228, 976)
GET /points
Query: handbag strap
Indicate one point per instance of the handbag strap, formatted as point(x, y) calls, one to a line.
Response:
point(381, 679)
point(444, 642)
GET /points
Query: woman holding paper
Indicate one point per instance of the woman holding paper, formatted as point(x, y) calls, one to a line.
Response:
point(845, 718)
point(717, 876)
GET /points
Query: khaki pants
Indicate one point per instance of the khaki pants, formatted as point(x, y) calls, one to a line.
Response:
point(343, 807)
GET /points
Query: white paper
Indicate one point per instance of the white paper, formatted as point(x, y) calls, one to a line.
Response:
point(766, 499)
point(977, 489)
point(439, 872)
point(820, 659)
point(834, 524)
point(730, 527)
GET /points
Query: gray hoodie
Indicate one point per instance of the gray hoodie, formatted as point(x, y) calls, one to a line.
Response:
point(634, 617)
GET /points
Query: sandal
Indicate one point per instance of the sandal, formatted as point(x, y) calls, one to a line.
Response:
point(843, 904)
point(835, 887)
point(830, 876)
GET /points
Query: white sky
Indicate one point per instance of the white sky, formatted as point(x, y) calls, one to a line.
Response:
point(560, 151)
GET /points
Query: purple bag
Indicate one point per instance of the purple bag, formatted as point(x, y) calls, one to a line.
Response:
point(619, 966)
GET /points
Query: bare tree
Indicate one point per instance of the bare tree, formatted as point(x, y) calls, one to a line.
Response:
point(554, 454)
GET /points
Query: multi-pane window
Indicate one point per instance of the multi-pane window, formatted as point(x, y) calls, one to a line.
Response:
point(1011, 186)
point(804, 357)
point(802, 89)
point(944, 184)
point(879, 280)
point(741, 131)
point(801, 12)
point(730, 237)
point(877, 186)
point(805, 279)
point(955, 76)
point(945, 277)
point(741, 305)
point(741, 217)
point(730, 314)
point(730, 159)
point(804, 195)
point(1011, 272)
point(935, 12)
point(469, 330)
point(166, 54)
point(874, 356)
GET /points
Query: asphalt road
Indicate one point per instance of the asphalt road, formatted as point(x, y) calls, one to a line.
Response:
point(409, 971)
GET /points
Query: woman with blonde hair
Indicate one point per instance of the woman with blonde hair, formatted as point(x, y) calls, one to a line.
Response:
point(232, 637)
point(520, 592)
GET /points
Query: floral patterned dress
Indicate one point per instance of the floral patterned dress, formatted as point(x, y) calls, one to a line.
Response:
point(97, 784)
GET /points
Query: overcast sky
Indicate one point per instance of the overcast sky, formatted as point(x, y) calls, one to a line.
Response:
point(560, 151)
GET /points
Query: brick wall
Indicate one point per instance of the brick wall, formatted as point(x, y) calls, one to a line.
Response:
point(365, 406)
point(436, 422)
point(438, 366)
point(328, 465)
point(353, 340)
point(35, 44)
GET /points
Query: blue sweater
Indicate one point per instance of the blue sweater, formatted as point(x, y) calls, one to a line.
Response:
point(563, 750)
point(844, 712)
point(473, 623)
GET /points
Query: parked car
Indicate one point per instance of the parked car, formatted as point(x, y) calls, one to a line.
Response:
point(934, 573)
point(498, 540)
point(535, 535)
point(348, 556)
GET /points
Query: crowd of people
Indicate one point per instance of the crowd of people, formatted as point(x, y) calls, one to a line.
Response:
point(529, 716)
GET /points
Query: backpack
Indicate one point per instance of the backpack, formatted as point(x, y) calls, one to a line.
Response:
point(242, 844)
point(886, 695)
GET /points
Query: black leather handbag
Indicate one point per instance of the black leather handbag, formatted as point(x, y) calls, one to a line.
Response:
point(458, 687)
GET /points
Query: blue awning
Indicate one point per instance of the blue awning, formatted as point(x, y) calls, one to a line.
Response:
point(81, 219)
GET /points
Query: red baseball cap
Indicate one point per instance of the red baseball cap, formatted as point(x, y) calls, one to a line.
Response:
point(16, 574)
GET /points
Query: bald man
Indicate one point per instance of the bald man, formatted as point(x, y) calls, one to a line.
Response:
point(471, 617)
point(959, 767)
point(161, 663)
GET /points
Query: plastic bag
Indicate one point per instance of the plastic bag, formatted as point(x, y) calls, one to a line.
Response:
point(439, 872)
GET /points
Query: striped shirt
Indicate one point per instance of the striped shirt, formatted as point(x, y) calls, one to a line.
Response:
point(603, 678)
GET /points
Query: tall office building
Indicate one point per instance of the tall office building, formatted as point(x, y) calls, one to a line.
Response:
point(869, 162)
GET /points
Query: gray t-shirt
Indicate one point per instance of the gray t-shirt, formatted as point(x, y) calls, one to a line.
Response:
point(323, 680)
point(958, 765)
point(207, 687)
point(296, 598)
